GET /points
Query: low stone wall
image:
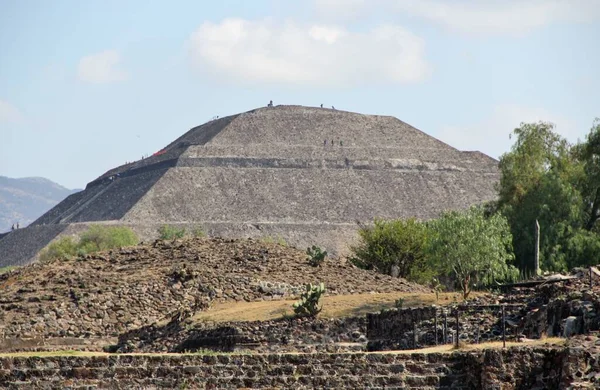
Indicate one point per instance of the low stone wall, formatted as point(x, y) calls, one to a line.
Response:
point(284, 335)
point(400, 329)
point(507, 369)
point(575, 313)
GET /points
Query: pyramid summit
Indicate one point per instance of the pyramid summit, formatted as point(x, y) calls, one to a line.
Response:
point(304, 174)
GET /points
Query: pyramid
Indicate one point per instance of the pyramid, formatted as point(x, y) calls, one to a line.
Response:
point(306, 175)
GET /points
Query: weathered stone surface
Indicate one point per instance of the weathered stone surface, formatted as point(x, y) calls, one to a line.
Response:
point(516, 368)
point(122, 290)
point(269, 172)
point(284, 335)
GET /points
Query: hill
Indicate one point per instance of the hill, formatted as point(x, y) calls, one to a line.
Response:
point(24, 200)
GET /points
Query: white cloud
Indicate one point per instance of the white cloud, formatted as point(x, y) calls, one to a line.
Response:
point(476, 17)
point(491, 136)
point(495, 16)
point(9, 113)
point(101, 68)
point(262, 51)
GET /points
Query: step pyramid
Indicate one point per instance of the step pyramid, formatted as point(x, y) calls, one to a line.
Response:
point(307, 175)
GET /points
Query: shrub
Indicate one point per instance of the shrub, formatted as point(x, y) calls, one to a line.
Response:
point(392, 247)
point(6, 269)
point(316, 256)
point(100, 238)
point(308, 305)
point(198, 232)
point(169, 232)
point(63, 248)
point(96, 238)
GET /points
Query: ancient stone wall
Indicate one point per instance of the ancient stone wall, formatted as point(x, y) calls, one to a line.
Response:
point(284, 335)
point(507, 369)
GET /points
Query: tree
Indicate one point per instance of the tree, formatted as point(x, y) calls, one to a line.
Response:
point(391, 245)
point(545, 178)
point(536, 151)
point(589, 155)
point(470, 247)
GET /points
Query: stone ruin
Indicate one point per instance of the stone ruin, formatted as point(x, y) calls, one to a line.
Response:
point(307, 175)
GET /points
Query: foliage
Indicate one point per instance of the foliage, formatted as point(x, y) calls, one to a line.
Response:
point(544, 178)
point(308, 305)
point(63, 248)
point(169, 232)
point(470, 247)
point(316, 256)
point(6, 269)
point(388, 245)
point(100, 238)
point(588, 153)
point(96, 238)
point(198, 232)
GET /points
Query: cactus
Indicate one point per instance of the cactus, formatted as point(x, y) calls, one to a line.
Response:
point(308, 305)
point(316, 255)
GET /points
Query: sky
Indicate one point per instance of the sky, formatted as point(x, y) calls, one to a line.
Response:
point(89, 85)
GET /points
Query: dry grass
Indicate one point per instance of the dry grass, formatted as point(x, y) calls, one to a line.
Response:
point(448, 348)
point(335, 306)
point(52, 353)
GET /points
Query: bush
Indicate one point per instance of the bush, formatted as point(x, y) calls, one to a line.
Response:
point(274, 240)
point(9, 268)
point(198, 232)
point(168, 232)
point(393, 247)
point(100, 238)
point(96, 238)
point(63, 248)
point(316, 256)
point(308, 305)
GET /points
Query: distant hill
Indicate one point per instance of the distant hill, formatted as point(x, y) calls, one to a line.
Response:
point(24, 200)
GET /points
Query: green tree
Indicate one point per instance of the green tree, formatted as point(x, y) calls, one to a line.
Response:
point(470, 247)
point(589, 155)
point(536, 151)
point(544, 178)
point(396, 244)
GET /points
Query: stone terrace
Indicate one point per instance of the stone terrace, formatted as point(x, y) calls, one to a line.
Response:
point(512, 369)
point(305, 174)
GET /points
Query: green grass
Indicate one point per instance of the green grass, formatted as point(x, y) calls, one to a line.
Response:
point(274, 240)
point(4, 270)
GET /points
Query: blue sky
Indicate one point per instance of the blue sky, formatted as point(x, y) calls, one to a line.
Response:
point(88, 85)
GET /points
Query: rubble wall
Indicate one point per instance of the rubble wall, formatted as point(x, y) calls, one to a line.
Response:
point(508, 369)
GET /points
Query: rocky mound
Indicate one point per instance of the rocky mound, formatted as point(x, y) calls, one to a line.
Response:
point(110, 293)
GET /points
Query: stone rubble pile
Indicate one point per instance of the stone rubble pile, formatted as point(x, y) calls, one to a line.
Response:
point(114, 292)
